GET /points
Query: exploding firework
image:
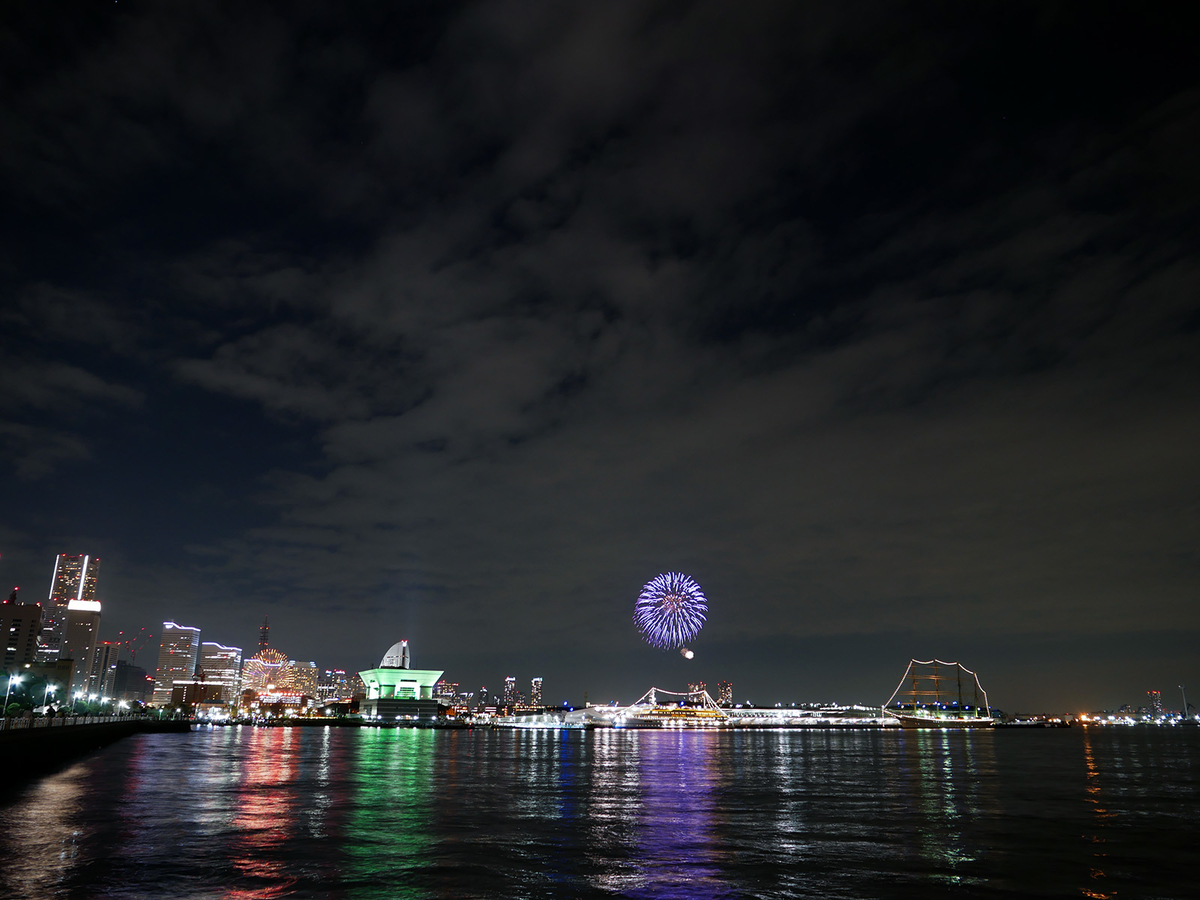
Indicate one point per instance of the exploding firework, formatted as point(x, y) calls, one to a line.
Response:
point(670, 611)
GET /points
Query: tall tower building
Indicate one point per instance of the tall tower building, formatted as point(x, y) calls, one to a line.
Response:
point(510, 691)
point(264, 634)
point(535, 692)
point(80, 636)
point(104, 669)
point(222, 666)
point(20, 625)
point(176, 659)
point(74, 578)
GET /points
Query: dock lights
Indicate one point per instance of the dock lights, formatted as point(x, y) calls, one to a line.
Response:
point(11, 678)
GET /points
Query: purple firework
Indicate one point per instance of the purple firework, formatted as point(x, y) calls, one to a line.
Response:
point(670, 610)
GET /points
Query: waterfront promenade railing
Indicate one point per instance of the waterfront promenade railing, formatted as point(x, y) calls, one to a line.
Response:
point(24, 723)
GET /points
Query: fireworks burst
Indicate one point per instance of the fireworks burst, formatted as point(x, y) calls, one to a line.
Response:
point(670, 610)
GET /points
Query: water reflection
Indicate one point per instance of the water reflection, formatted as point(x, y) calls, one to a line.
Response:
point(388, 836)
point(1100, 816)
point(678, 853)
point(947, 780)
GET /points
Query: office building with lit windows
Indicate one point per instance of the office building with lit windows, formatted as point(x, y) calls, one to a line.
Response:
point(177, 657)
point(20, 625)
point(75, 578)
point(80, 637)
point(221, 667)
point(535, 692)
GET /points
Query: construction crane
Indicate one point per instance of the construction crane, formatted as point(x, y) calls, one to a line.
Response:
point(134, 644)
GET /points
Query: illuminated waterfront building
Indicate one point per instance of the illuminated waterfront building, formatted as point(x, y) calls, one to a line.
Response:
point(264, 671)
point(177, 657)
point(358, 687)
point(483, 698)
point(395, 691)
point(535, 692)
point(1156, 707)
point(509, 697)
point(104, 669)
point(222, 669)
point(75, 578)
point(79, 642)
point(20, 625)
point(696, 688)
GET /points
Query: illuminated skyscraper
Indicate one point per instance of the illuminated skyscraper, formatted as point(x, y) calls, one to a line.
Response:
point(1156, 707)
point(222, 667)
point(509, 697)
point(535, 692)
point(177, 655)
point(20, 624)
point(80, 636)
point(75, 578)
point(300, 677)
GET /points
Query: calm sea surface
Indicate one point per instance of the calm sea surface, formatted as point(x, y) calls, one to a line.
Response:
point(343, 813)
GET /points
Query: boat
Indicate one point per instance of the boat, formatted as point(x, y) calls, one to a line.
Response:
point(929, 700)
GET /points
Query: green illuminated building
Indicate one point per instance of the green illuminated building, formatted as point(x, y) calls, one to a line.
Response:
point(394, 691)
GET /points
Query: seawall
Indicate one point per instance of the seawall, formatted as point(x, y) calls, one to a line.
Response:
point(41, 744)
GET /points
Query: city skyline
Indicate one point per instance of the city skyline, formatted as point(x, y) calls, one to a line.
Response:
point(462, 324)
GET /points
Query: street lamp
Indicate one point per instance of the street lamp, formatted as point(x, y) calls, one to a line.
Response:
point(11, 679)
point(50, 689)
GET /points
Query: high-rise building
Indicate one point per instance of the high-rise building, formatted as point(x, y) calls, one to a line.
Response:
point(483, 697)
point(1156, 707)
point(333, 684)
point(264, 634)
point(75, 578)
point(222, 668)
point(446, 690)
point(177, 655)
point(300, 677)
point(725, 693)
point(102, 680)
point(80, 637)
point(509, 697)
point(20, 624)
point(695, 689)
point(131, 683)
point(535, 692)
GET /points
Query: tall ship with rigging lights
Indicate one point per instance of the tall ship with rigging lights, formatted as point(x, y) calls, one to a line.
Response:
point(930, 695)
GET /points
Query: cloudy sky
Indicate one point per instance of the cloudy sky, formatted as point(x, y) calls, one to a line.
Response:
point(461, 322)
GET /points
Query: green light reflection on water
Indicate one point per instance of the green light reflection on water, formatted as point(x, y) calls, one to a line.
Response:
point(387, 838)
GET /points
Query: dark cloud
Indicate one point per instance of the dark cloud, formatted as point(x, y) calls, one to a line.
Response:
point(463, 322)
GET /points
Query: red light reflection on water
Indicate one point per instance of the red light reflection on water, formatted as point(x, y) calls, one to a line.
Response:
point(267, 810)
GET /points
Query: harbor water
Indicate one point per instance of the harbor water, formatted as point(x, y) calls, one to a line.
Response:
point(243, 812)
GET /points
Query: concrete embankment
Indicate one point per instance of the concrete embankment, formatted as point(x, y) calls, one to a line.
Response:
point(41, 744)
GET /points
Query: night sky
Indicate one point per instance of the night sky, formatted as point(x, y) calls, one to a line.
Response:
point(461, 322)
